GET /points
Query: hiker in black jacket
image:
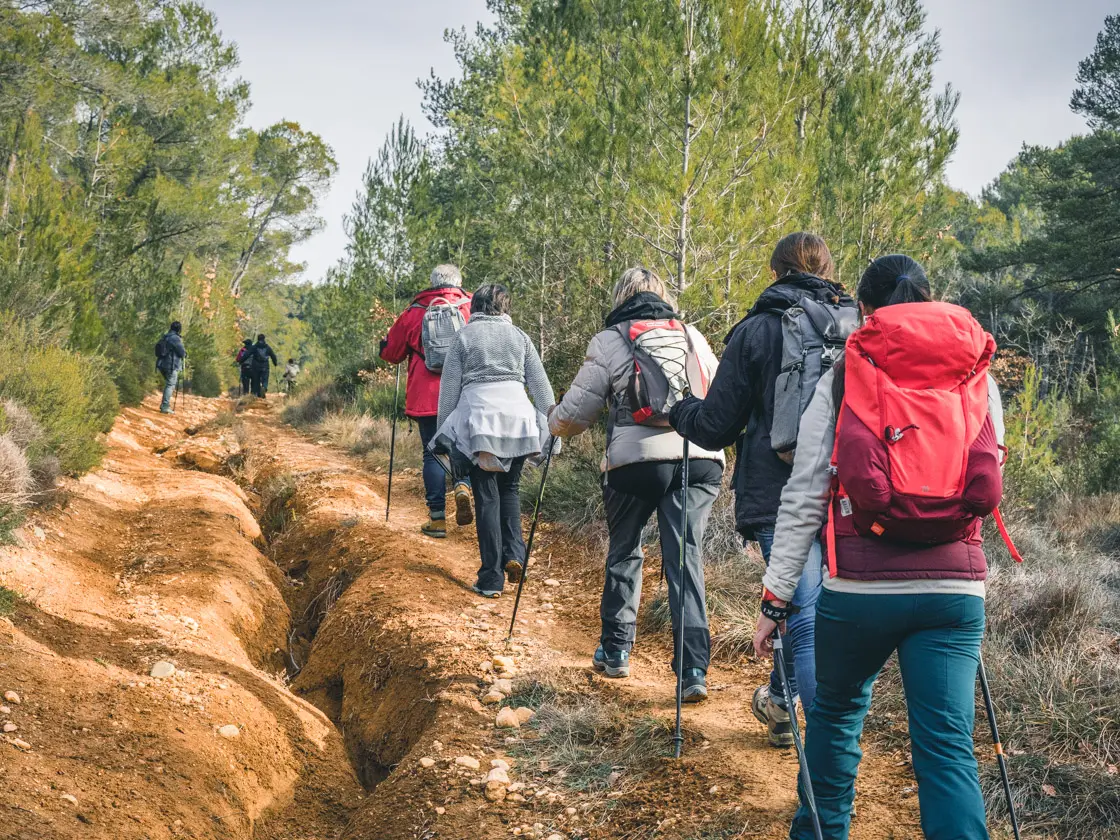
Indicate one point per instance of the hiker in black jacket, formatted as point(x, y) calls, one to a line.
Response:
point(170, 358)
point(739, 409)
point(260, 355)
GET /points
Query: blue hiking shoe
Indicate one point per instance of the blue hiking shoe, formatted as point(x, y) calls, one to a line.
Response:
point(695, 687)
point(615, 664)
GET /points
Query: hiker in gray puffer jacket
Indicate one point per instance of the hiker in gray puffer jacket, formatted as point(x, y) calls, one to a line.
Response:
point(491, 372)
point(642, 475)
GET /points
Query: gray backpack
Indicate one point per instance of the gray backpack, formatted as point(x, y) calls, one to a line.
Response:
point(442, 320)
point(813, 337)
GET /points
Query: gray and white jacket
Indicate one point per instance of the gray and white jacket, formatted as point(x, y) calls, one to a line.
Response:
point(805, 499)
point(603, 378)
point(491, 349)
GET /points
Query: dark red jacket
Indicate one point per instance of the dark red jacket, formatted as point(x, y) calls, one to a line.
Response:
point(403, 342)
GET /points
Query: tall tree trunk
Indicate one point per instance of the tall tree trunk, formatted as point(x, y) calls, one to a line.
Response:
point(686, 137)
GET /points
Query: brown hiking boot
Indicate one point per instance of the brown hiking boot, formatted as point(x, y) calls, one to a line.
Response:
point(434, 528)
point(514, 571)
point(778, 725)
point(464, 511)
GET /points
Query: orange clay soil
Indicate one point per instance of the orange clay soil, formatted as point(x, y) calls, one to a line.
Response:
point(315, 667)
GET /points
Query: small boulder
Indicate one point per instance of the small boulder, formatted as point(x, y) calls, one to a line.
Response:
point(524, 714)
point(69, 797)
point(437, 746)
point(552, 582)
point(468, 761)
point(426, 762)
point(492, 698)
point(230, 730)
point(20, 744)
point(441, 810)
point(495, 791)
point(12, 697)
point(162, 670)
point(507, 719)
point(505, 686)
point(10, 727)
point(502, 663)
point(497, 774)
point(4, 710)
point(500, 762)
point(515, 797)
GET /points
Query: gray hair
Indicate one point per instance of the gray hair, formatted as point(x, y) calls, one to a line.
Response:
point(639, 279)
point(446, 275)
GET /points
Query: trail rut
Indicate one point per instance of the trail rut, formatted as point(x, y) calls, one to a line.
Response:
point(344, 649)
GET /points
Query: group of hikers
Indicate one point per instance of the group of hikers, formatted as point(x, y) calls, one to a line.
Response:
point(252, 359)
point(868, 436)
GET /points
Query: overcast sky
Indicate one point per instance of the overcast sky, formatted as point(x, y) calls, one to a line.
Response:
point(347, 69)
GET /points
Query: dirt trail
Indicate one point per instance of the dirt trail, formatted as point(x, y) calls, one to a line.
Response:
point(151, 561)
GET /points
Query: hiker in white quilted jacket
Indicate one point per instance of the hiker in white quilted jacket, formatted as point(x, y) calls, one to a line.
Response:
point(491, 373)
point(641, 476)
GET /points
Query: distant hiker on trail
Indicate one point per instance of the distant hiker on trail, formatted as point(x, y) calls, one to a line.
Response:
point(771, 364)
point(903, 486)
point(259, 358)
point(291, 372)
point(422, 335)
point(170, 357)
point(244, 362)
point(643, 477)
point(491, 372)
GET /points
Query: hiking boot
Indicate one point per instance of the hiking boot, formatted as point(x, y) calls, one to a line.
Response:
point(464, 512)
point(486, 593)
point(774, 716)
point(514, 571)
point(614, 664)
point(434, 528)
point(695, 687)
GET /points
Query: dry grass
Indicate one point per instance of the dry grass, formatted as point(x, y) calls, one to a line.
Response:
point(19, 424)
point(16, 480)
point(585, 741)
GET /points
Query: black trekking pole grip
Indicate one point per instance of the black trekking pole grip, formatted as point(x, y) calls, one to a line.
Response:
point(799, 745)
point(997, 745)
point(393, 442)
point(532, 535)
point(678, 732)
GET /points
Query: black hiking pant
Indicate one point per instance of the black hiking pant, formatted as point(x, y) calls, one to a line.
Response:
point(246, 382)
point(259, 382)
point(497, 513)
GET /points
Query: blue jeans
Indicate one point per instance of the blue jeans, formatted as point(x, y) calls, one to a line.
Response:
point(800, 653)
point(938, 642)
point(435, 476)
point(170, 379)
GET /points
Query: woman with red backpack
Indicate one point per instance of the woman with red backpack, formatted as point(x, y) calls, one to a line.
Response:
point(898, 460)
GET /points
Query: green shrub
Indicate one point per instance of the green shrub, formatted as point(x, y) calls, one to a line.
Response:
point(71, 395)
point(8, 601)
point(203, 360)
point(128, 365)
point(1036, 425)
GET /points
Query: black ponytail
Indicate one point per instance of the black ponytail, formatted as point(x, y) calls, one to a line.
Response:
point(895, 278)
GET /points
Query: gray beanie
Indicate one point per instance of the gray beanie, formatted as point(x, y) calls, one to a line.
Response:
point(446, 275)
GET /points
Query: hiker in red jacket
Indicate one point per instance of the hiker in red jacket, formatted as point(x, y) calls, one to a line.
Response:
point(898, 459)
point(421, 402)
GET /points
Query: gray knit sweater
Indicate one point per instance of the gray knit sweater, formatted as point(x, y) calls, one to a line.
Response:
point(491, 349)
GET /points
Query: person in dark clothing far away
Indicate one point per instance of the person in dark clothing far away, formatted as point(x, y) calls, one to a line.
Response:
point(643, 476)
point(170, 356)
point(244, 362)
point(739, 409)
point(260, 356)
point(405, 341)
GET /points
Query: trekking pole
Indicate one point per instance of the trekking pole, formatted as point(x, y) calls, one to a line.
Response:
point(998, 746)
point(393, 443)
point(806, 782)
point(678, 734)
point(532, 535)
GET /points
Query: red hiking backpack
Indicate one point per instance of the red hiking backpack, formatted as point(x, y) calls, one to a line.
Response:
point(916, 458)
point(666, 369)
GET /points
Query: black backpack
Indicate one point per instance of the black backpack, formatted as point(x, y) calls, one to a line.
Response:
point(260, 355)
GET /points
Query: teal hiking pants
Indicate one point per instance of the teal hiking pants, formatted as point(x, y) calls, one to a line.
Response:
point(938, 642)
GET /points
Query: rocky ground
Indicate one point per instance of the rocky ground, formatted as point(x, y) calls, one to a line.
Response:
point(220, 636)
